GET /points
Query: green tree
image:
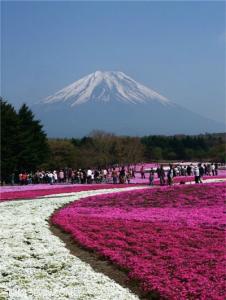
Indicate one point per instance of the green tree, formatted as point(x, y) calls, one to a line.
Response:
point(9, 140)
point(63, 154)
point(218, 153)
point(157, 153)
point(33, 146)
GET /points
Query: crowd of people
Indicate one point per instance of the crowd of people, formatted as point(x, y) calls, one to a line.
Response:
point(115, 175)
point(80, 176)
point(198, 171)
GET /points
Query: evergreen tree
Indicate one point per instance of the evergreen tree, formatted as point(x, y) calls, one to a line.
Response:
point(9, 140)
point(33, 148)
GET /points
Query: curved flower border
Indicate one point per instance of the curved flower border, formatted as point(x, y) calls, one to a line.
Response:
point(170, 240)
point(35, 264)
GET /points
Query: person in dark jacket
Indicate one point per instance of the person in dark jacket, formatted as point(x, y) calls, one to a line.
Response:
point(122, 175)
point(162, 176)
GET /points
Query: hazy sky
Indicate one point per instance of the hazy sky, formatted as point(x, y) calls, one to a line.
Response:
point(175, 48)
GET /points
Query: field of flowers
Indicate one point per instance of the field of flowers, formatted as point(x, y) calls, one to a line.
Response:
point(8, 193)
point(40, 190)
point(170, 240)
point(36, 264)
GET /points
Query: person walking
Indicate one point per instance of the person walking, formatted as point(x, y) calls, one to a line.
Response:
point(142, 173)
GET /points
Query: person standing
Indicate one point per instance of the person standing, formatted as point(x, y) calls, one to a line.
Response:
point(69, 175)
point(162, 175)
point(92, 177)
point(151, 177)
point(51, 177)
point(122, 175)
point(13, 178)
point(158, 171)
point(201, 172)
point(96, 176)
point(196, 173)
point(189, 170)
point(142, 173)
point(65, 174)
point(216, 169)
point(83, 176)
point(24, 178)
point(209, 169)
point(114, 175)
point(73, 176)
point(20, 178)
point(213, 169)
point(55, 176)
point(105, 173)
point(133, 172)
point(128, 176)
point(89, 175)
point(61, 176)
point(170, 175)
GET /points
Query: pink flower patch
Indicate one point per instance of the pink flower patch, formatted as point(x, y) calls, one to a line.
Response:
point(52, 190)
point(171, 239)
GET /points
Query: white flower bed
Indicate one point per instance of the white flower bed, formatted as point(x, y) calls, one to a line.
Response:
point(35, 264)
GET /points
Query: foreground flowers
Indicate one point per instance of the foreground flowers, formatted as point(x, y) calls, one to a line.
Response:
point(35, 264)
point(170, 240)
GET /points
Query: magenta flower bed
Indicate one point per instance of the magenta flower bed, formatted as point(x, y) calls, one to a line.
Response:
point(170, 240)
point(34, 193)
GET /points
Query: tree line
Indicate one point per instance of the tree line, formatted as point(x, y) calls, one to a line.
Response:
point(25, 146)
point(104, 149)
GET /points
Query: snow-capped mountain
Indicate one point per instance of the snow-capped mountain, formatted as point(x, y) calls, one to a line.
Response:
point(114, 102)
point(106, 87)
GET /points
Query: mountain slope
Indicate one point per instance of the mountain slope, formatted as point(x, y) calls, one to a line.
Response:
point(105, 87)
point(114, 102)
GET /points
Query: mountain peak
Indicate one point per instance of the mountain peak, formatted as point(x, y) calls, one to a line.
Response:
point(105, 86)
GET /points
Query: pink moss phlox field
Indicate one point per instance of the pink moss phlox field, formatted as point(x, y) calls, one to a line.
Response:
point(170, 240)
point(34, 193)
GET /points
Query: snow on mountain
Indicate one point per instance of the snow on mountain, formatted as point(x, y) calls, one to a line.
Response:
point(152, 114)
point(105, 86)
